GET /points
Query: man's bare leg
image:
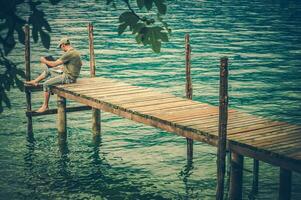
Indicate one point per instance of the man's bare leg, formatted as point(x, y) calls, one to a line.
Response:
point(37, 80)
point(44, 107)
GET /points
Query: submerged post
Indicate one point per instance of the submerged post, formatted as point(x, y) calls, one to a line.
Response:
point(61, 117)
point(188, 90)
point(95, 112)
point(255, 176)
point(236, 176)
point(222, 128)
point(285, 183)
point(27, 76)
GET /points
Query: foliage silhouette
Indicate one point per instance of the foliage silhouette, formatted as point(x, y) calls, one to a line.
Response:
point(146, 31)
point(11, 26)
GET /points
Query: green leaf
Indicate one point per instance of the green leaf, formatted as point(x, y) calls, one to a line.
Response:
point(164, 37)
point(148, 4)
point(35, 35)
point(121, 28)
point(128, 18)
point(45, 39)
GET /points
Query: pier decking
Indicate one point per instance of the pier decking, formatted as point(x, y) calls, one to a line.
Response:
point(278, 143)
point(241, 134)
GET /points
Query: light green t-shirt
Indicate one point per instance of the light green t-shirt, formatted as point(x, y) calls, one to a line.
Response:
point(72, 63)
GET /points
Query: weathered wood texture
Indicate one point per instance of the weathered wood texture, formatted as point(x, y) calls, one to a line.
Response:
point(61, 116)
point(27, 76)
point(277, 143)
point(96, 120)
point(188, 89)
point(236, 176)
point(285, 184)
point(54, 111)
point(222, 128)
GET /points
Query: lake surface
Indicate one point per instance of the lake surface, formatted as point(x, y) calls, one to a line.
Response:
point(131, 161)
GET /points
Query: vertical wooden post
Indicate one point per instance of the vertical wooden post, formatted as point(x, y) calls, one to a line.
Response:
point(285, 183)
point(95, 112)
point(236, 176)
point(255, 176)
point(222, 128)
point(188, 90)
point(27, 76)
point(61, 117)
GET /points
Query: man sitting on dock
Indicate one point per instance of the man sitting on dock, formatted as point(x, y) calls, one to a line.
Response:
point(71, 68)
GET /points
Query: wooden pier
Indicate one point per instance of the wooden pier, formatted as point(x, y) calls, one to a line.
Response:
point(274, 142)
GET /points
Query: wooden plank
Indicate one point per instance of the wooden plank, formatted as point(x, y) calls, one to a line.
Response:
point(116, 92)
point(141, 118)
point(255, 127)
point(260, 133)
point(296, 154)
point(186, 112)
point(173, 111)
point(103, 87)
point(162, 105)
point(109, 98)
point(271, 138)
point(267, 138)
point(266, 156)
point(88, 81)
point(54, 111)
point(287, 148)
point(139, 99)
point(151, 102)
point(234, 120)
point(165, 107)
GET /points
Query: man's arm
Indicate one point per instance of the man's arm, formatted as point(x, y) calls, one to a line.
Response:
point(51, 63)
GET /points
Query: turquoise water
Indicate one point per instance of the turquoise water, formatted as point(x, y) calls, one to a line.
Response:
point(132, 161)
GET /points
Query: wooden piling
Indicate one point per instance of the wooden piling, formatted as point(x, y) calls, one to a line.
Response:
point(285, 183)
point(96, 114)
point(255, 176)
point(188, 90)
point(236, 176)
point(61, 117)
point(27, 77)
point(222, 128)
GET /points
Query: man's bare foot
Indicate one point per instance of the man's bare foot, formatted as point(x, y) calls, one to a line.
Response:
point(32, 82)
point(42, 109)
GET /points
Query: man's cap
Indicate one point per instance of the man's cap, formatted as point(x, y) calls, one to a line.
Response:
point(63, 41)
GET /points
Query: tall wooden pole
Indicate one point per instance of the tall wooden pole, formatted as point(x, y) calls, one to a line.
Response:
point(285, 184)
point(95, 112)
point(236, 176)
point(61, 117)
point(188, 90)
point(27, 76)
point(222, 128)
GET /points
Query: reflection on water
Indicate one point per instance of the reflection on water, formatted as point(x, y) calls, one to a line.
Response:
point(132, 161)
